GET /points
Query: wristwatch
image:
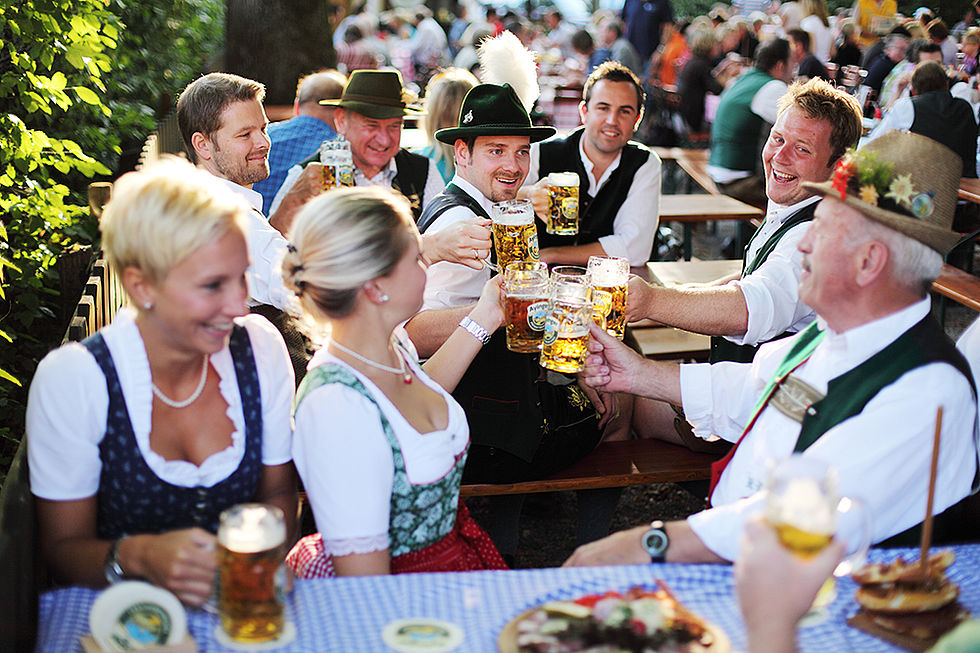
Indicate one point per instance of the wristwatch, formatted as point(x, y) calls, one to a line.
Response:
point(655, 541)
point(113, 571)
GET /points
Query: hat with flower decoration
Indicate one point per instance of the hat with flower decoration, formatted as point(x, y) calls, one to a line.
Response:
point(906, 182)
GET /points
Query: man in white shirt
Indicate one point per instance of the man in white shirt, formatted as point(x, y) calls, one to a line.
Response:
point(619, 180)
point(815, 126)
point(859, 389)
point(369, 115)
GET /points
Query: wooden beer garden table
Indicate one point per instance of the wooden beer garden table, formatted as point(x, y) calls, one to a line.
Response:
point(688, 209)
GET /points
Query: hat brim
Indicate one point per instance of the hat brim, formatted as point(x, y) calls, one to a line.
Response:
point(937, 238)
point(536, 134)
point(371, 110)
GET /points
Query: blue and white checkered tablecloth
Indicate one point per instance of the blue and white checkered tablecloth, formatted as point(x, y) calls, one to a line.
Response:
point(347, 614)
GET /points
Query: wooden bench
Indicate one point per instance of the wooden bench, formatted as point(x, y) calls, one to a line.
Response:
point(613, 464)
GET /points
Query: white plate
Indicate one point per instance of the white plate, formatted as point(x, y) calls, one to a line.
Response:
point(134, 615)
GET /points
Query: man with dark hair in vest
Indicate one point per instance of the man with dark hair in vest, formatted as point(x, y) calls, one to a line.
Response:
point(745, 107)
point(815, 126)
point(858, 389)
point(619, 180)
point(369, 115)
point(933, 111)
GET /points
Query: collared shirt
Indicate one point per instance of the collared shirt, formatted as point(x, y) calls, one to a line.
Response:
point(450, 285)
point(293, 140)
point(266, 247)
point(881, 455)
point(433, 182)
point(772, 291)
point(634, 228)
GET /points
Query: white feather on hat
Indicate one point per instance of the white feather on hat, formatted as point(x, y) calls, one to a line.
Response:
point(505, 60)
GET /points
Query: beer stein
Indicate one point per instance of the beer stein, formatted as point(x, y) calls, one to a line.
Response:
point(251, 574)
point(525, 289)
point(515, 238)
point(563, 203)
point(566, 329)
point(611, 274)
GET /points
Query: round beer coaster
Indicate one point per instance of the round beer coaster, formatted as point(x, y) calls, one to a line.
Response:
point(134, 615)
point(286, 637)
point(422, 634)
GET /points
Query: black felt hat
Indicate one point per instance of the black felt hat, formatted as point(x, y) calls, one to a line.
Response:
point(488, 110)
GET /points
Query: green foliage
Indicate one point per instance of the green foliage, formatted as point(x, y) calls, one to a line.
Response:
point(82, 83)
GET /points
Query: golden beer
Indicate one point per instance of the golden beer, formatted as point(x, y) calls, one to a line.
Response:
point(515, 238)
point(525, 316)
point(615, 323)
point(251, 575)
point(563, 203)
point(803, 543)
point(566, 352)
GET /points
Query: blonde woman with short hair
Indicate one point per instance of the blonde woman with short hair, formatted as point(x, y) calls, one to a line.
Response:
point(443, 96)
point(141, 435)
point(380, 443)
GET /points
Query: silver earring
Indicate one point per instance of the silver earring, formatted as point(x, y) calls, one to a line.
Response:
point(148, 305)
point(383, 298)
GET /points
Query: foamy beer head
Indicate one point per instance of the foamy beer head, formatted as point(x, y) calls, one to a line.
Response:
point(251, 577)
point(801, 504)
point(526, 307)
point(515, 238)
point(611, 274)
point(563, 203)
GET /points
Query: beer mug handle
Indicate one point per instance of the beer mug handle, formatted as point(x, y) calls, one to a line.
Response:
point(491, 265)
point(854, 520)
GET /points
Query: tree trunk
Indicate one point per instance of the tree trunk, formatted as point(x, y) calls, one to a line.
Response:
point(278, 41)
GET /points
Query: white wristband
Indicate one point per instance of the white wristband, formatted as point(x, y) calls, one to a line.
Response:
point(475, 330)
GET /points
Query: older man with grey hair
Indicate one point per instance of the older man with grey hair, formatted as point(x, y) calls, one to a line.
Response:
point(858, 389)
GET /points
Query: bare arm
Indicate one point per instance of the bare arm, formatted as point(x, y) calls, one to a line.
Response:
point(466, 242)
point(376, 563)
point(453, 358)
point(307, 186)
point(430, 329)
point(625, 548)
point(182, 561)
point(277, 487)
point(714, 310)
point(572, 254)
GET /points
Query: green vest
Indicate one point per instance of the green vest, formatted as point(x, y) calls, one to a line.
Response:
point(735, 131)
point(848, 394)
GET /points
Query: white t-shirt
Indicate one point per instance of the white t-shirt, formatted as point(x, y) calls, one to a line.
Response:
point(68, 407)
point(820, 37)
point(346, 463)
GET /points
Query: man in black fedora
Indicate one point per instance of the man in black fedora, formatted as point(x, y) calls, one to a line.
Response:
point(524, 424)
point(369, 115)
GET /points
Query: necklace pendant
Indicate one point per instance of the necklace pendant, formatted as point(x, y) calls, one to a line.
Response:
point(407, 378)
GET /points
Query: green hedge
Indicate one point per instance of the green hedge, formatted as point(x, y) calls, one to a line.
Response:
point(82, 83)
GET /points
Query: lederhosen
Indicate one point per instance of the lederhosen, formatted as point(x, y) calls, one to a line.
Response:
point(723, 349)
point(596, 214)
point(523, 425)
point(849, 393)
point(411, 175)
point(132, 498)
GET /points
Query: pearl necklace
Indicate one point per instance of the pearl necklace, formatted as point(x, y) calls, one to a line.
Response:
point(194, 395)
point(403, 371)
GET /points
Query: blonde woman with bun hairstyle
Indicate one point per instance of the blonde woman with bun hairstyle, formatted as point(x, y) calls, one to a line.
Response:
point(380, 442)
point(141, 435)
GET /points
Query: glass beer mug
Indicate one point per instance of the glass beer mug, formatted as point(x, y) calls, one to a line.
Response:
point(563, 203)
point(251, 574)
point(566, 329)
point(525, 289)
point(803, 507)
point(515, 238)
point(611, 274)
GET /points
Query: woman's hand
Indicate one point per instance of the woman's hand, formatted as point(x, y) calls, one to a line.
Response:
point(184, 562)
point(466, 242)
point(489, 310)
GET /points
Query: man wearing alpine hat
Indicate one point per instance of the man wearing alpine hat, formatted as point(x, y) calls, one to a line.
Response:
point(369, 114)
point(859, 388)
point(524, 424)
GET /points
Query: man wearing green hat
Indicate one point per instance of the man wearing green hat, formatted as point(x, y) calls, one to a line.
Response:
point(859, 389)
point(369, 115)
point(523, 424)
